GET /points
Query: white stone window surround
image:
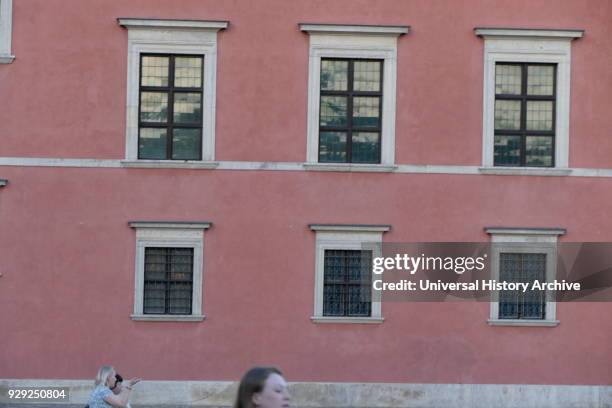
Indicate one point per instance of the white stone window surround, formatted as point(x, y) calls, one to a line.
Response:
point(524, 240)
point(169, 235)
point(171, 37)
point(347, 237)
point(352, 41)
point(6, 28)
point(528, 45)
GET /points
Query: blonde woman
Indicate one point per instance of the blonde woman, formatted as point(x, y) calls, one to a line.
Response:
point(103, 397)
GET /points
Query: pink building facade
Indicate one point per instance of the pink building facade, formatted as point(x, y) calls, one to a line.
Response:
point(176, 176)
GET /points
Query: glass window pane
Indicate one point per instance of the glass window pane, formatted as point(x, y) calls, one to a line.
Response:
point(366, 76)
point(334, 300)
point(188, 72)
point(334, 266)
point(333, 111)
point(186, 144)
point(507, 114)
point(334, 75)
point(181, 264)
point(153, 107)
point(152, 143)
point(540, 79)
point(154, 71)
point(155, 264)
point(509, 270)
point(539, 151)
point(522, 267)
point(507, 151)
point(366, 111)
point(534, 301)
point(187, 108)
point(332, 147)
point(508, 79)
point(366, 147)
point(539, 115)
point(347, 283)
point(179, 298)
point(154, 297)
point(356, 304)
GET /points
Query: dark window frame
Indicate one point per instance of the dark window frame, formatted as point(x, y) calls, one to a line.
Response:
point(519, 302)
point(365, 283)
point(170, 90)
point(167, 281)
point(524, 98)
point(350, 94)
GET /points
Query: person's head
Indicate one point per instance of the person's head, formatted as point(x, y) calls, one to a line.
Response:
point(106, 376)
point(262, 387)
point(118, 384)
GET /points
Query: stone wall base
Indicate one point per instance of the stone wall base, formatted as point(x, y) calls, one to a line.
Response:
point(213, 394)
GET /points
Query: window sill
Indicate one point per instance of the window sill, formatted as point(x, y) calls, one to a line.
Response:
point(349, 167)
point(168, 318)
point(520, 322)
point(353, 320)
point(169, 164)
point(3, 182)
point(525, 171)
point(6, 58)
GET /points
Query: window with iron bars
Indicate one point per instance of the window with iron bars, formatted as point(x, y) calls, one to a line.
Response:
point(168, 281)
point(347, 283)
point(525, 109)
point(170, 107)
point(350, 111)
point(522, 267)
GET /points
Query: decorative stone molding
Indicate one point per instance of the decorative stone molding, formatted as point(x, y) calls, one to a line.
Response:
point(197, 37)
point(353, 41)
point(169, 234)
point(528, 46)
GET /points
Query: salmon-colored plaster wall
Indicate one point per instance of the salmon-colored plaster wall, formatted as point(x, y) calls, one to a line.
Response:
point(67, 253)
point(68, 266)
point(68, 83)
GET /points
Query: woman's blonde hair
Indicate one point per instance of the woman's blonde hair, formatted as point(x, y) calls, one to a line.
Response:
point(103, 373)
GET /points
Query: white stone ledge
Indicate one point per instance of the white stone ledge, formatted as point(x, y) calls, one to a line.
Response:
point(171, 224)
point(6, 58)
point(167, 318)
point(244, 165)
point(58, 162)
point(376, 168)
point(168, 164)
point(345, 395)
point(347, 320)
point(350, 227)
point(521, 322)
point(161, 23)
point(300, 166)
point(528, 32)
point(524, 231)
point(354, 29)
point(525, 171)
point(436, 169)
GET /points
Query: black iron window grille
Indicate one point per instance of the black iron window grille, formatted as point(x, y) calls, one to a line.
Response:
point(526, 268)
point(170, 107)
point(347, 283)
point(525, 107)
point(168, 281)
point(350, 110)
